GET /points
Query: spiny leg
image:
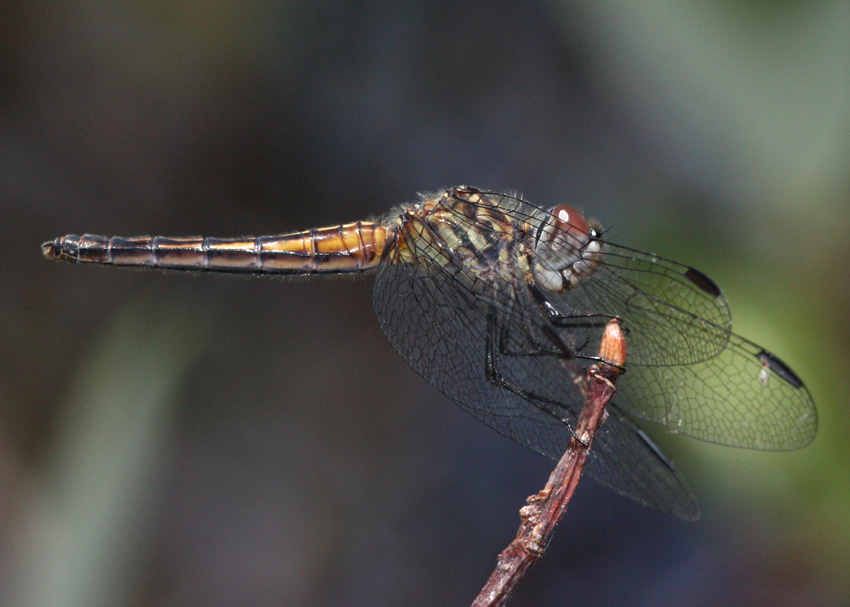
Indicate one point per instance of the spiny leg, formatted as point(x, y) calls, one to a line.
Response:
point(495, 348)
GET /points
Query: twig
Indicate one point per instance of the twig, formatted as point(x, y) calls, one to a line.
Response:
point(543, 510)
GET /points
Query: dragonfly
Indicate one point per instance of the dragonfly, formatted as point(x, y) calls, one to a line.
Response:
point(501, 305)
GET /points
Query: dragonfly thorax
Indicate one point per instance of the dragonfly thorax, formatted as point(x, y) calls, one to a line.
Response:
point(567, 250)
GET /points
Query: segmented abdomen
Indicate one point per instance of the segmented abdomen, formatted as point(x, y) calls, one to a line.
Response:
point(353, 247)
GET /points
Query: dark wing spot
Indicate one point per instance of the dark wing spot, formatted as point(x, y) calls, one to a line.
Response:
point(780, 368)
point(654, 448)
point(703, 282)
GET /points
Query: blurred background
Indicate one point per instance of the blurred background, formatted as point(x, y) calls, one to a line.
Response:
point(176, 440)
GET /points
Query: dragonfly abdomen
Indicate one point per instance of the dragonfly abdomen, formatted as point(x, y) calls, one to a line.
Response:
point(353, 247)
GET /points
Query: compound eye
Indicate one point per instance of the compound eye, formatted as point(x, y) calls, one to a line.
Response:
point(569, 219)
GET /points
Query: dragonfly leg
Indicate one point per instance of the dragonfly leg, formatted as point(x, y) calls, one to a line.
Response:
point(570, 323)
point(493, 352)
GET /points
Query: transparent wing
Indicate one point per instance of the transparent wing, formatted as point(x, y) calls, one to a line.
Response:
point(674, 314)
point(743, 397)
point(638, 469)
point(459, 335)
point(444, 330)
point(686, 369)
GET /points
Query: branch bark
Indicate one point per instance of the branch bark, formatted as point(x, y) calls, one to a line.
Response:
point(543, 510)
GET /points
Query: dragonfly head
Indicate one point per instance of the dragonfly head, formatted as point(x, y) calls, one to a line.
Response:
point(568, 249)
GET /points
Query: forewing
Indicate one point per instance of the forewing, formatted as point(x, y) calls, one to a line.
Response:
point(672, 314)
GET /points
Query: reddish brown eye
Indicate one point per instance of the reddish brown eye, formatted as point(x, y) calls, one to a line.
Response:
point(568, 219)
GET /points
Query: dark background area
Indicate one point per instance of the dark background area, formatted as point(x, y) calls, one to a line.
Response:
point(199, 440)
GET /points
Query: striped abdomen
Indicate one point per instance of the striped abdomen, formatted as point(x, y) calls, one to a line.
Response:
point(352, 247)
